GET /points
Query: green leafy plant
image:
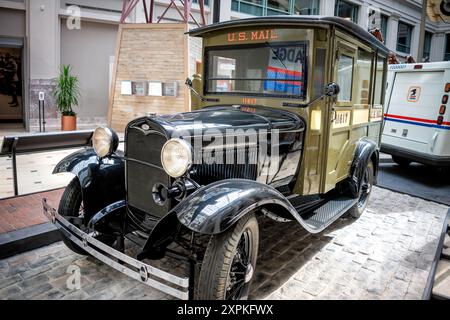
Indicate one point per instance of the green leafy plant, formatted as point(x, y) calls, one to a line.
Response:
point(67, 91)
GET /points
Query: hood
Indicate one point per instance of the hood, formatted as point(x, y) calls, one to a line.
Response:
point(228, 117)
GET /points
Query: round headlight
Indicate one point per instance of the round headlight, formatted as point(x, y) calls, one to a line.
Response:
point(176, 157)
point(105, 141)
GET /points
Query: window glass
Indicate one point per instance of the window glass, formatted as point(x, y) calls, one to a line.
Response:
point(319, 72)
point(346, 9)
point(345, 77)
point(276, 7)
point(206, 2)
point(280, 5)
point(306, 7)
point(378, 94)
point(427, 46)
point(447, 47)
point(404, 37)
point(363, 72)
point(276, 70)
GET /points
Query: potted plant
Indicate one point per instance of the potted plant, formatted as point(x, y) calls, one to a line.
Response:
point(67, 94)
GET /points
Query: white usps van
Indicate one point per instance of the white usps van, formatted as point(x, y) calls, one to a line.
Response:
point(417, 114)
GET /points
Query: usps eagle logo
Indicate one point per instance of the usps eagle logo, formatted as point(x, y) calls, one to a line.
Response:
point(413, 94)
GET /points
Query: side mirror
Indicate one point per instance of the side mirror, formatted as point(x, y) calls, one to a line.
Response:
point(188, 82)
point(332, 89)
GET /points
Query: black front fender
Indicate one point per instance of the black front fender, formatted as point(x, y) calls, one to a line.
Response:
point(214, 208)
point(102, 180)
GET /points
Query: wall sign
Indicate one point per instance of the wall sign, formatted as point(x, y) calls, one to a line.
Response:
point(126, 88)
point(155, 88)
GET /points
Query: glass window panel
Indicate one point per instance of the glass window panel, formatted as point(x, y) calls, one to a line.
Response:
point(275, 71)
point(378, 94)
point(427, 46)
point(404, 37)
point(319, 72)
point(363, 73)
point(346, 9)
point(345, 77)
point(306, 7)
point(447, 47)
point(250, 9)
point(281, 5)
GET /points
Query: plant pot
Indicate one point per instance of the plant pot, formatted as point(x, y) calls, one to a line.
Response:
point(68, 123)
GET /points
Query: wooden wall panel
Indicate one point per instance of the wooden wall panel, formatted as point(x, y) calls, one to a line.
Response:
point(148, 52)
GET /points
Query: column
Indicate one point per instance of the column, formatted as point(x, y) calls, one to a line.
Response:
point(437, 47)
point(415, 37)
point(43, 28)
point(391, 36)
point(225, 9)
point(327, 7)
point(363, 16)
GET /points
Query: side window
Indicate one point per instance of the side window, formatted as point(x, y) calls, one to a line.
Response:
point(345, 77)
point(378, 92)
point(363, 73)
point(319, 72)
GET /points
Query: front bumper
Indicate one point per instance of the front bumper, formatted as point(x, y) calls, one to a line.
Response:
point(166, 282)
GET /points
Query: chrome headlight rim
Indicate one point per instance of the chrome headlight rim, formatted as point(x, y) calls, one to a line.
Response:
point(110, 137)
point(185, 168)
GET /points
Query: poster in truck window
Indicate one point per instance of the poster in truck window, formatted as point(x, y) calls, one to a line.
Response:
point(286, 65)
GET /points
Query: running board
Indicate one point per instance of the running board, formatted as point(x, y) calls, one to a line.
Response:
point(325, 215)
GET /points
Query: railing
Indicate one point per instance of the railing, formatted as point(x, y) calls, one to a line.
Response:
point(40, 142)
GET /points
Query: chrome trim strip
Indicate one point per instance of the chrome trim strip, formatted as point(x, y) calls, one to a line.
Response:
point(90, 245)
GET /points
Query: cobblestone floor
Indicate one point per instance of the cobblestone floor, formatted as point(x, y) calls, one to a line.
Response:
point(386, 254)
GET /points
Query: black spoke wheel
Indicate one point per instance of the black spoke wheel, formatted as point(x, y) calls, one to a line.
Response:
point(70, 206)
point(367, 181)
point(229, 262)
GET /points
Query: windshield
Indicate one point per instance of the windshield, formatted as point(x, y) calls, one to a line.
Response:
point(277, 70)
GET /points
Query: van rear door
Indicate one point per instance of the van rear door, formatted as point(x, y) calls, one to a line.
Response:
point(414, 103)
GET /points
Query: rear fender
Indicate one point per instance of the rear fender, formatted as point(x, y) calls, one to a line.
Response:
point(102, 180)
point(366, 150)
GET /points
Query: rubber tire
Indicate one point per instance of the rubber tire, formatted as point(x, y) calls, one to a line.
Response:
point(219, 256)
point(402, 162)
point(356, 211)
point(69, 206)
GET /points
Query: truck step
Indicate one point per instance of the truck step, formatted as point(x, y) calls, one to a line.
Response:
point(325, 215)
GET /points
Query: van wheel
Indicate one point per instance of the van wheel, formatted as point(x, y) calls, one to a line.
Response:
point(366, 188)
point(71, 205)
point(229, 262)
point(402, 162)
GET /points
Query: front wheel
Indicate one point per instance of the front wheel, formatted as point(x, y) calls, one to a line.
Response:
point(229, 262)
point(365, 190)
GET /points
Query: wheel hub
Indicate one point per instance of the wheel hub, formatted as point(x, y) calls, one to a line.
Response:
point(249, 273)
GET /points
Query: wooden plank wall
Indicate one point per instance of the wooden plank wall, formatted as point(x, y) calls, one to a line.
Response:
point(148, 52)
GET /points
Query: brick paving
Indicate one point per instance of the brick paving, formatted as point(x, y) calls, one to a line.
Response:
point(386, 254)
point(25, 211)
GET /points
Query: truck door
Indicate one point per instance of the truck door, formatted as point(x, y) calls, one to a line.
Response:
point(339, 153)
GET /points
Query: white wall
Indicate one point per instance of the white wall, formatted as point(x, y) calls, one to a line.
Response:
point(43, 33)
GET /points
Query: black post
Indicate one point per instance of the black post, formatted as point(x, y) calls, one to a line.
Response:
point(43, 115)
point(40, 119)
point(14, 166)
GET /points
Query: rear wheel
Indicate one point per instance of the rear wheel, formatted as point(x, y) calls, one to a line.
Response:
point(365, 190)
point(403, 162)
point(229, 262)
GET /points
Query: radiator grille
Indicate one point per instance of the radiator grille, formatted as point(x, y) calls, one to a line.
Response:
point(143, 171)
